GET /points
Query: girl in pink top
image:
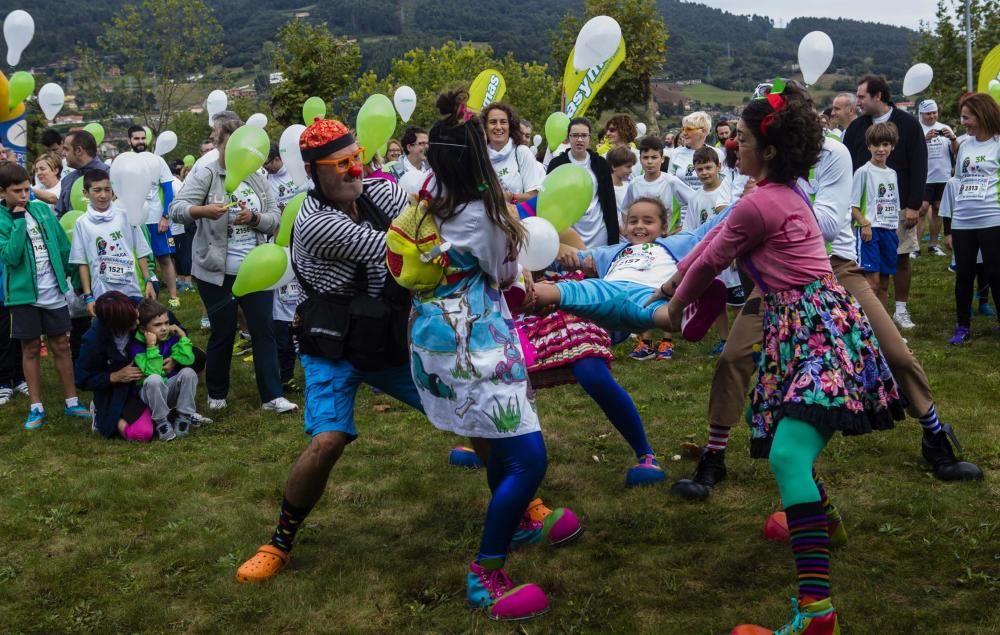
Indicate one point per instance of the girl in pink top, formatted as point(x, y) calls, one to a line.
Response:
point(821, 370)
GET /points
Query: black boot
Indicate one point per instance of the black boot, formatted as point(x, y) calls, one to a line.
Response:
point(711, 470)
point(937, 450)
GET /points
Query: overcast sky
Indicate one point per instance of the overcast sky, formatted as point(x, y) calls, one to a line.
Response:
point(900, 12)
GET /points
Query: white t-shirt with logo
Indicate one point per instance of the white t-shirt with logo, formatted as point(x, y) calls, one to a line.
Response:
point(109, 250)
point(286, 300)
point(242, 238)
point(682, 165)
point(50, 296)
point(875, 192)
point(938, 154)
point(516, 169)
point(591, 227)
point(154, 203)
point(283, 188)
point(672, 192)
point(648, 264)
point(702, 205)
point(977, 203)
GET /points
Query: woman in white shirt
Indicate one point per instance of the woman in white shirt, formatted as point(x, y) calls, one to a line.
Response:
point(975, 222)
point(515, 165)
point(48, 170)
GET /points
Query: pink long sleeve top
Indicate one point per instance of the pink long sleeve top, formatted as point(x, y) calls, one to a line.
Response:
point(773, 233)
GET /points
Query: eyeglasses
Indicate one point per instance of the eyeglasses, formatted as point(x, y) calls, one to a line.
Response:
point(342, 165)
point(580, 135)
point(689, 130)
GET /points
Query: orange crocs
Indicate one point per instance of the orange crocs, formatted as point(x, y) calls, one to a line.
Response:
point(263, 565)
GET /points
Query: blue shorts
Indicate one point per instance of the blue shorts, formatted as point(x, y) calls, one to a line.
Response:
point(331, 386)
point(162, 244)
point(616, 305)
point(878, 255)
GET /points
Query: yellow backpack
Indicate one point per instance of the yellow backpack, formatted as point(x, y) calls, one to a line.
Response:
point(415, 255)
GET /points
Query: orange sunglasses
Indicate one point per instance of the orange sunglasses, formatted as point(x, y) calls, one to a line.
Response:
point(342, 165)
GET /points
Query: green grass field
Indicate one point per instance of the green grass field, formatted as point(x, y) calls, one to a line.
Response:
point(108, 537)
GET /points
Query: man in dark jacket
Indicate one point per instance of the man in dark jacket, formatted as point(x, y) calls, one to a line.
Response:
point(81, 155)
point(908, 159)
point(599, 225)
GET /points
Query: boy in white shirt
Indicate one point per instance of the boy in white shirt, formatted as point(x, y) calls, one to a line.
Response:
point(106, 248)
point(875, 209)
point(621, 160)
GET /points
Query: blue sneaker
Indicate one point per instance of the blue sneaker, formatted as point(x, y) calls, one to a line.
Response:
point(646, 472)
point(77, 411)
point(715, 352)
point(642, 352)
point(35, 419)
point(960, 337)
point(986, 309)
point(664, 350)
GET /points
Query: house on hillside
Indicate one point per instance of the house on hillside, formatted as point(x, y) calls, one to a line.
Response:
point(247, 90)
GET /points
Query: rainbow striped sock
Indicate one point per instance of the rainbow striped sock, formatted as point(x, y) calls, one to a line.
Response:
point(810, 538)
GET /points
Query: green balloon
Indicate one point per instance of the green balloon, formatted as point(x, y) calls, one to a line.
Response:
point(76, 196)
point(149, 136)
point(284, 236)
point(994, 88)
point(246, 151)
point(556, 129)
point(188, 160)
point(313, 109)
point(565, 195)
point(376, 123)
point(97, 130)
point(68, 221)
point(19, 87)
point(261, 269)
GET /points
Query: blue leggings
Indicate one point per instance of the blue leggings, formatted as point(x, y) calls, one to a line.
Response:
point(515, 469)
point(594, 377)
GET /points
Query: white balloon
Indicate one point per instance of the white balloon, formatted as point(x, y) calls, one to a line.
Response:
point(289, 274)
point(641, 127)
point(541, 245)
point(917, 79)
point(51, 99)
point(18, 29)
point(536, 140)
point(815, 55)
point(216, 102)
point(166, 142)
point(130, 179)
point(291, 156)
point(597, 41)
point(258, 119)
point(405, 101)
point(412, 181)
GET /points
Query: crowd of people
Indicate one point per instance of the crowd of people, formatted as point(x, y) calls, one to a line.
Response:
point(797, 221)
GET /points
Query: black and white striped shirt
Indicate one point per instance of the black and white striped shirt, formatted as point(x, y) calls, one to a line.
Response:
point(328, 244)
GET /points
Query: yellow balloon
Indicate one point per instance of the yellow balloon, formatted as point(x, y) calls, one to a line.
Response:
point(488, 87)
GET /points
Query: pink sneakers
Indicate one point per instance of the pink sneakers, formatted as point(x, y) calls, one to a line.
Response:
point(494, 592)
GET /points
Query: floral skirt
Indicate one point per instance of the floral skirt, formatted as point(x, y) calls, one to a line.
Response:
point(559, 340)
point(821, 363)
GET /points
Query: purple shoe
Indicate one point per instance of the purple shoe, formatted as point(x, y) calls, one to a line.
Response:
point(494, 592)
point(646, 472)
point(558, 526)
point(960, 337)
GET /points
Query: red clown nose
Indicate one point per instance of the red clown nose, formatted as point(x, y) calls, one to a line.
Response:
point(356, 171)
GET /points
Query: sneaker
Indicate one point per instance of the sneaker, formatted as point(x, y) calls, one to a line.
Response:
point(242, 347)
point(217, 404)
point(559, 526)
point(817, 618)
point(715, 352)
point(205, 323)
point(182, 426)
point(776, 530)
point(664, 350)
point(903, 320)
point(279, 405)
point(79, 410)
point(35, 419)
point(6, 392)
point(951, 267)
point(710, 471)
point(22, 388)
point(198, 420)
point(646, 472)
point(935, 250)
point(642, 352)
point(914, 254)
point(496, 594)
point(248, 359)
point(166, 431)
point(986, 309)
point(174, 303)
point(937, 450)
point(292, 386)
point(461, 456)
point(184, 286)
point(960, 337)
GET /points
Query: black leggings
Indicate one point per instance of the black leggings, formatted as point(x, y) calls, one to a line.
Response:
point(967, 244)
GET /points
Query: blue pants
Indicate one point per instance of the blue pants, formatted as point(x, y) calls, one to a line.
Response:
point(515, 469)
point(594, 377)
point(616, 305)
point(286, 349)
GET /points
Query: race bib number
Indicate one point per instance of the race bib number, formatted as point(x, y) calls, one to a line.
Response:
point(117, 272)
point(289, 293)
point(886, 212)
point(635, 259)
point(38, 246)
point(935, 149)
point(973, 187)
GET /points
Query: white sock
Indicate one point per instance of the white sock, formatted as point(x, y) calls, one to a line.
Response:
point(37, 406)
point(72, 401)
point(900, 306)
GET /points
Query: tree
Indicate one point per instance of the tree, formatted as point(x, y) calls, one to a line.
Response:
point(159, 45)
point(645, 35)
point(313, 63)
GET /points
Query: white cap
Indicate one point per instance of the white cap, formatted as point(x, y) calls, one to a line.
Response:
point(927, 105)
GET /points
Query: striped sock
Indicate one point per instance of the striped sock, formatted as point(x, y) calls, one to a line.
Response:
point(810, 538)
point(930, 421)
point(718, 438)
point(288, 525)
point(831, 511)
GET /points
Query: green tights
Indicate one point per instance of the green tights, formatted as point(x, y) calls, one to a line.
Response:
point(796, 446)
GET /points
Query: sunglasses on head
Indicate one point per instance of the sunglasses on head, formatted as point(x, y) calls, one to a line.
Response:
point(343, 164)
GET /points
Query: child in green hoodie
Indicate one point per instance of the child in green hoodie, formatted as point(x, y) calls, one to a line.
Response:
point(35, 252)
